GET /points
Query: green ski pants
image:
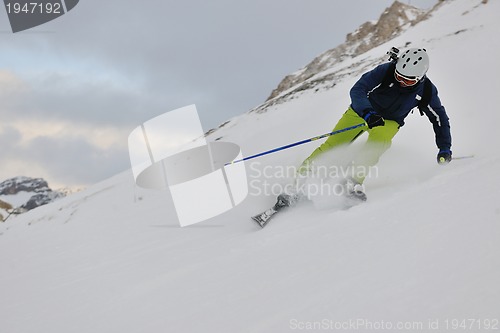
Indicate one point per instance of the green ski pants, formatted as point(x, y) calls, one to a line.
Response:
point(379, 140)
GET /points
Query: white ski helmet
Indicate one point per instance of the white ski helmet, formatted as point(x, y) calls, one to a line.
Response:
point(413, 63)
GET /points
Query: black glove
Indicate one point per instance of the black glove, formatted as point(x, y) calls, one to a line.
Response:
point(444, 156)
point(373, 119)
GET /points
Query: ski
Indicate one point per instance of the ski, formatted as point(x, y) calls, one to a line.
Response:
point(263, 218)
point(354, 196)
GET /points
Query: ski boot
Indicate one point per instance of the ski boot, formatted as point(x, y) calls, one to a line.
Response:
point(287, 200)
point(354, 191)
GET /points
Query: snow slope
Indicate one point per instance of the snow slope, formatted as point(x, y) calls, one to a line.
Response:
point(424, 249)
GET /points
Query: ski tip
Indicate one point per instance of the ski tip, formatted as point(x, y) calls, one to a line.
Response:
point(261, 223)
point(263, 218)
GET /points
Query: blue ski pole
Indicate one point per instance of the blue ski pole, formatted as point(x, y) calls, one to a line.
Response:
point(298, 143)
point(462, 157)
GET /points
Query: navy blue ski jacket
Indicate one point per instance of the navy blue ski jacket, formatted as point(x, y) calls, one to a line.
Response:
point(394, 102)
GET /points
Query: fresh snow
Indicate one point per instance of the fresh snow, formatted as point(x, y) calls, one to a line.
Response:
point(424, 249)
point(17, 199)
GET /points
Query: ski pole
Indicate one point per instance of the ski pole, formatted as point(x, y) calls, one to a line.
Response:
point(298, 143)
point(462, 157)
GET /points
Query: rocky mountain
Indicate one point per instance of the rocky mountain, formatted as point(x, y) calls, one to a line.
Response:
point(23, 184)
point(22, 194)
point(393, 21)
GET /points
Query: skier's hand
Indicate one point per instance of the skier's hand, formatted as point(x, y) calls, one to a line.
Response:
point(444, 156)
point(373, 119)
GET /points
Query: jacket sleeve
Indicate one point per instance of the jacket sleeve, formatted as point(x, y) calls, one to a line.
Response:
point(440, 121)
point(368, 81)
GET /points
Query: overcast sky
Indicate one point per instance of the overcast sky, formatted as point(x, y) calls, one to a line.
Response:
point(73, 89)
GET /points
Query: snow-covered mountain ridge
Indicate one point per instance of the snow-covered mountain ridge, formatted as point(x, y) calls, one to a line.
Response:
point(391, 23)
point(423, 249)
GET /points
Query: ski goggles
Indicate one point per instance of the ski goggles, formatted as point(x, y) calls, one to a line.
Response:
point(405, 80)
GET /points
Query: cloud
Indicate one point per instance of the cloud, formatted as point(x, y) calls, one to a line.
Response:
point(9, 139)
point(75, 161)
point(66, 131)
point(72, 160)
point(223, 55)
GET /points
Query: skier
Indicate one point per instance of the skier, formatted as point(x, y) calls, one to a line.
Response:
point(382, 98)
